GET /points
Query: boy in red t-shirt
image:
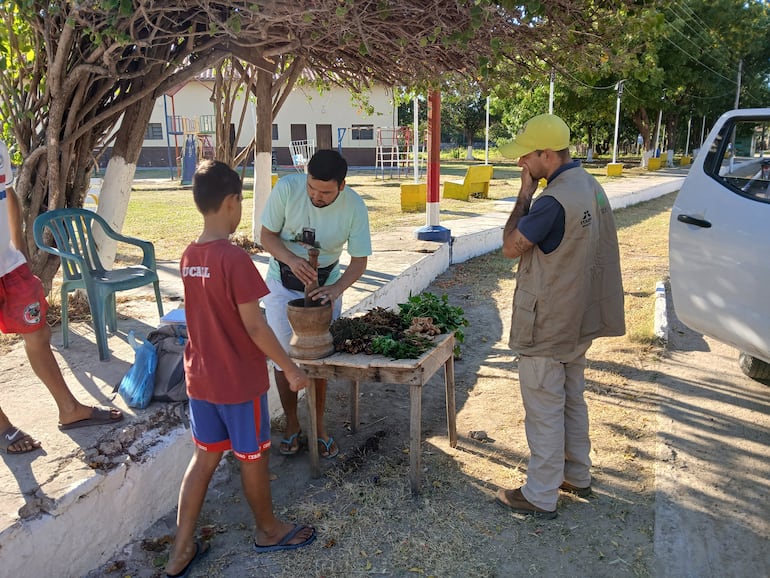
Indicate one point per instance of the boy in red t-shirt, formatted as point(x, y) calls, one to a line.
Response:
point(226, 371)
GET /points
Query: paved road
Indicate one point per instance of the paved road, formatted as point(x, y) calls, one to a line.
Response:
point(712, 514)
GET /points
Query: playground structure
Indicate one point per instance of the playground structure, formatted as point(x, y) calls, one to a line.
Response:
point(395, 152)
point(301, 151)
point(198, 143)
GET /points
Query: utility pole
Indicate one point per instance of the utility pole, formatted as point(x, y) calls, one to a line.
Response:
point(657, 132)
point(738, 90)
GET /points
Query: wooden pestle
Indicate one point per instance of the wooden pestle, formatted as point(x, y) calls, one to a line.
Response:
point(312, 257)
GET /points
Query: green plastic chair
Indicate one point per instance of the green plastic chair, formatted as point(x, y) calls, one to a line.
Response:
point(71, 237)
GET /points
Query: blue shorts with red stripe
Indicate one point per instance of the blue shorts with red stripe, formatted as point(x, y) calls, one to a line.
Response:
point(241, 427)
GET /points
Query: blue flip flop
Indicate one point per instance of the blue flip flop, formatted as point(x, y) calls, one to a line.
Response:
point(284, 543)
point(200, 552)
point(330, 448)
point(289, 441)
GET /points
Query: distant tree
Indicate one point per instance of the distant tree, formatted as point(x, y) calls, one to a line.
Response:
point(464, 109)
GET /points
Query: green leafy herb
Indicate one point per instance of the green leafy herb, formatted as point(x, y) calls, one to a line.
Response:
point(407, 347)
point(445, 316)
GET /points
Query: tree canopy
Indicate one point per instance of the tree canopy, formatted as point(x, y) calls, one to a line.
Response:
point(72, 70)
point(681, 58)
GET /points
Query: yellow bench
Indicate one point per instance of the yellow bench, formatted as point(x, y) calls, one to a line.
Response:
point(476, 181)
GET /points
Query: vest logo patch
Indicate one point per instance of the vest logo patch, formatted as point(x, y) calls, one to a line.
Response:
point(587, 219)
point(32, 313)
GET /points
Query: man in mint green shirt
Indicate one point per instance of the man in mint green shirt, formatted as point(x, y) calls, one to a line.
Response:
point(305, 210)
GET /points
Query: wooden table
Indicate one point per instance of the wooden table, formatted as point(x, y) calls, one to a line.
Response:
point(380, 369)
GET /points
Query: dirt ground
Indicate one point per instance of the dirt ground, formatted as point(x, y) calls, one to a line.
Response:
point(368, 521)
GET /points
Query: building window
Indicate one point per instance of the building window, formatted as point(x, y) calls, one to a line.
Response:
point(362, 132)
point(154, 131)
point(275, 132)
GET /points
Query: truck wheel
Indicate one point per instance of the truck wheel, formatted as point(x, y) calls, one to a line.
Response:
point(754, 368)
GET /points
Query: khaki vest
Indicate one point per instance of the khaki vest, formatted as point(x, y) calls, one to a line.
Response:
point(575, 293)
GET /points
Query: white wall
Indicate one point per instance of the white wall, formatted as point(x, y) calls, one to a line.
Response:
point(303, 106)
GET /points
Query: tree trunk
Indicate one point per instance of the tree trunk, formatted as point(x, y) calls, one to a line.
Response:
point(263, 150)
point(116, 187)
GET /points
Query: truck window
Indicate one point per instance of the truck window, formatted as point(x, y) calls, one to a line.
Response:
point(739, 158)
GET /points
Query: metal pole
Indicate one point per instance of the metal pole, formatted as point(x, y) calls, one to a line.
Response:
point(703, 130)
point(486, 137)
point(416, 145)
point(738, 90)
point(617, 122)
point(687, 142)
point(432, 231)
point(434, 157)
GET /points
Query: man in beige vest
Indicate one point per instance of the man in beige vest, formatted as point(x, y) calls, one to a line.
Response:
point(568, 292)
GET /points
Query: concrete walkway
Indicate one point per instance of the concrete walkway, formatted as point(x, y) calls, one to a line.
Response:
point(70, 508)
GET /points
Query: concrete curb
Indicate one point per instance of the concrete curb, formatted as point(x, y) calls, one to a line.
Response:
point(95, 517)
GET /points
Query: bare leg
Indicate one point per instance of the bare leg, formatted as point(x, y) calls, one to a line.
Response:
point(5, 423)
point(191, 495)
point(43, 363)
point(320, 407)
point(255, 477)
point(25, 444)
point(289, 403)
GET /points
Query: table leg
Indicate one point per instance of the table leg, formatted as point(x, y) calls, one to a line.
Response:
point(451, 414)
point(354, 397)
point(310, 394)
point(415, 433)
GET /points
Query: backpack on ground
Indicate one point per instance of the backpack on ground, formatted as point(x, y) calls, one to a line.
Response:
point(169, 342)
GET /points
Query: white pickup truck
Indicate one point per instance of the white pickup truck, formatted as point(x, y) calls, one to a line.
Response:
point(719, 239)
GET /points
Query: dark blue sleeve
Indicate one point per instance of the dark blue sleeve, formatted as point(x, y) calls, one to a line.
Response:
point(544, 225)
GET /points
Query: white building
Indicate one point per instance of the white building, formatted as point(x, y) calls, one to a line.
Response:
point(331, 119)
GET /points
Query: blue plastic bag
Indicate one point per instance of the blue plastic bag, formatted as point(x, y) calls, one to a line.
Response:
point(137, 385)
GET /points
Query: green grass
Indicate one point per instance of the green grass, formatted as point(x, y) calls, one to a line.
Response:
point(163, 211)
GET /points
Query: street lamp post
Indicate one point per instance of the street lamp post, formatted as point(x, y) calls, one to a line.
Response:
point(617, 121)
point(615, 169)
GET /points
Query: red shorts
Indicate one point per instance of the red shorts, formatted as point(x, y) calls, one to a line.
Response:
point(22, 301)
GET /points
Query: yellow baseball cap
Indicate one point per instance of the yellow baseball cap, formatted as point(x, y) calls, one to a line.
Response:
point(545, 131)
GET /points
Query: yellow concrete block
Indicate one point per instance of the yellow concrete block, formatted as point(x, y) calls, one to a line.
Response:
point(413, 196)
point(685, 160)
point(653, 164)
point(614, 169)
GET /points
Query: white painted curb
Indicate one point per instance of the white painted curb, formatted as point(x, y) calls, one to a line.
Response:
point(661, 316)
point(99, 515)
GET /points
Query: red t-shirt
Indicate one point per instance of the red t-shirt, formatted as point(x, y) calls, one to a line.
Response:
point(222, 364)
